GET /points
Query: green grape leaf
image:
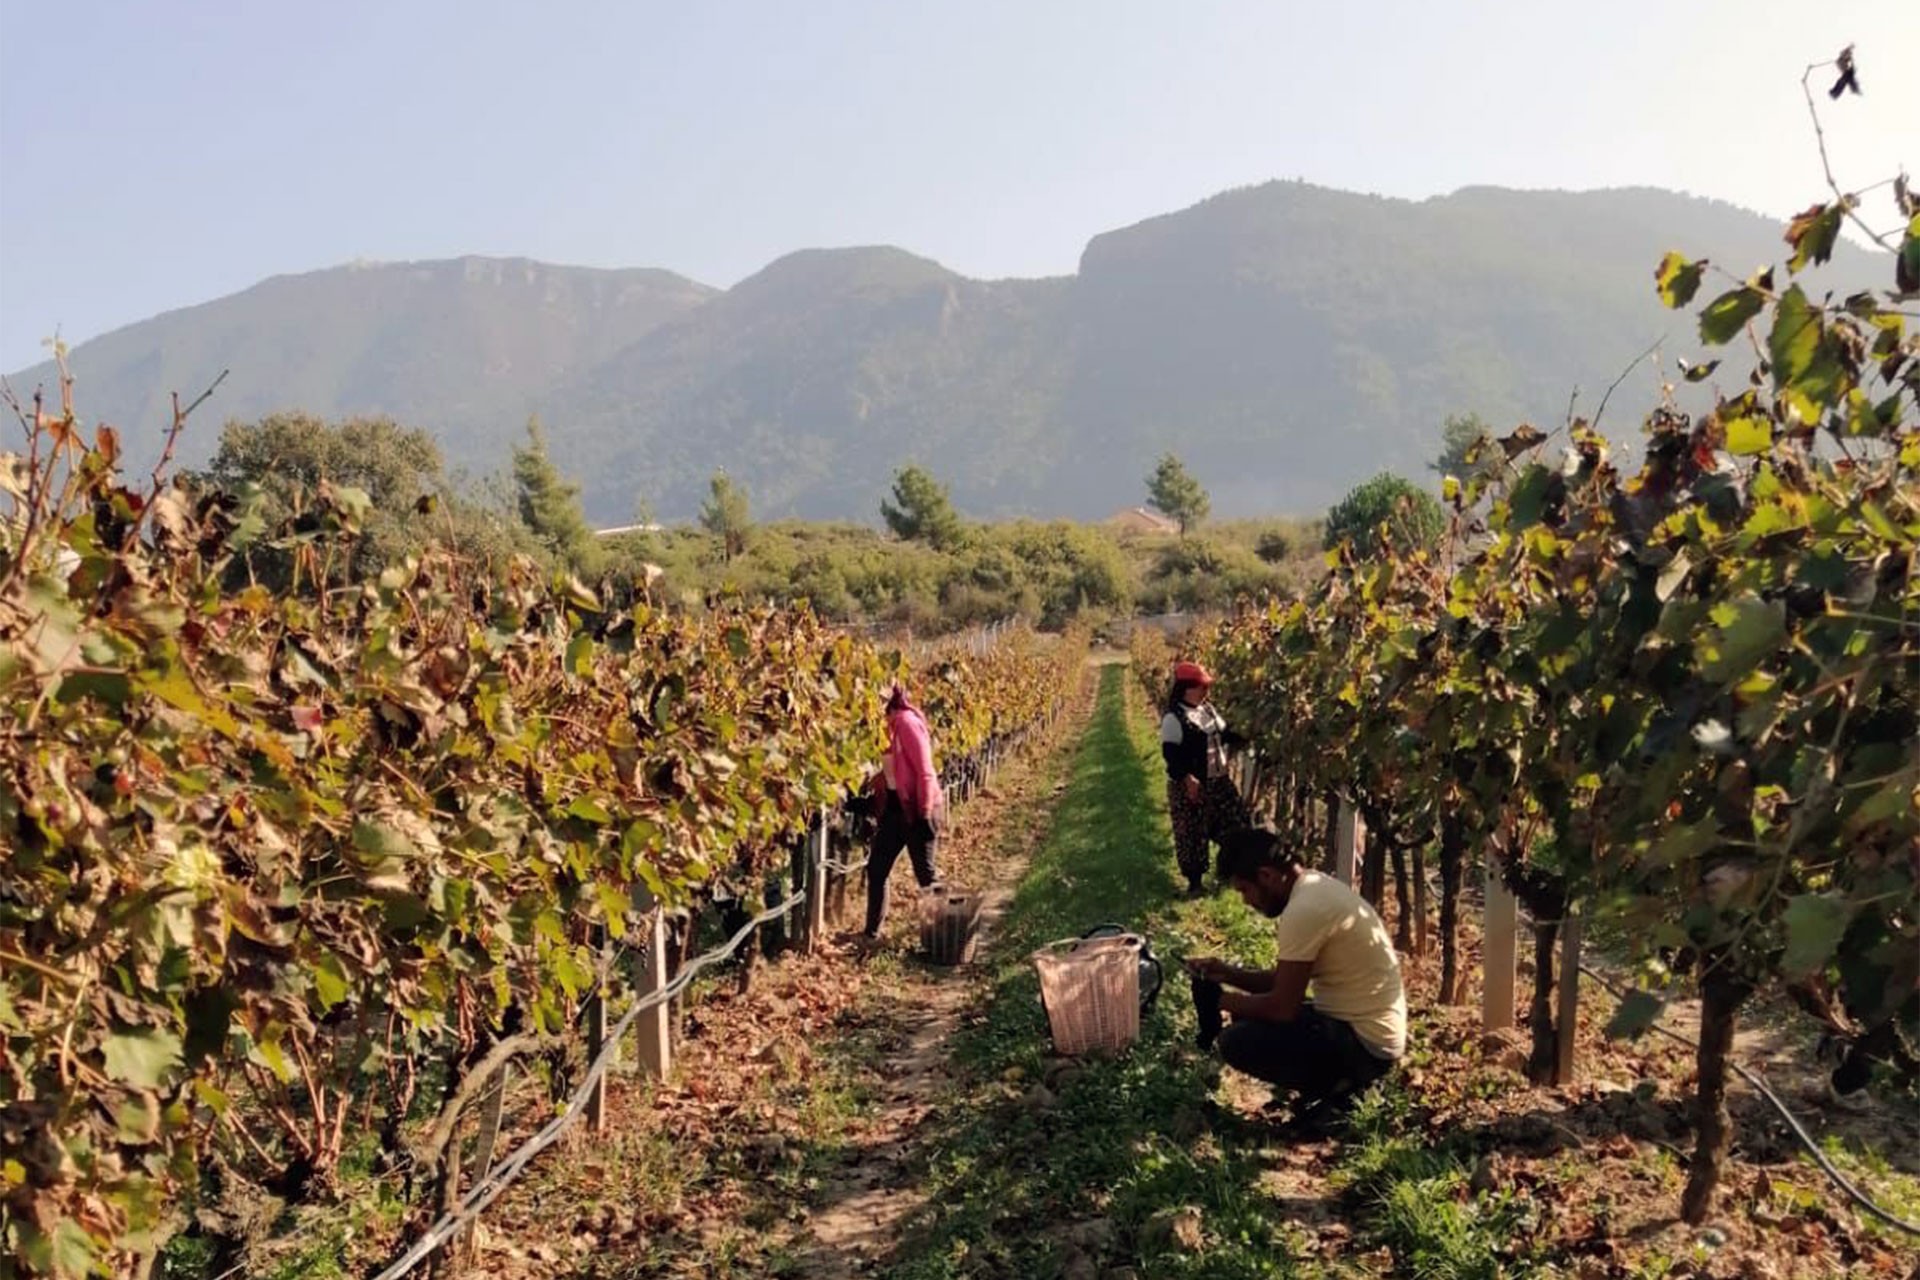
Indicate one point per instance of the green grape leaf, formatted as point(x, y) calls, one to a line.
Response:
point(71, 1251)
point(579, 660)
point(1812, 233)
point(1749, 436)
point(1747, 631)
point(588, 809)
point(329, 980)
point(1677, 280)
point(1906, 266)
point(1728, 314)
point(1815, 924)
point(1802, 358)
point(141, 1056)
point(1637, 1013)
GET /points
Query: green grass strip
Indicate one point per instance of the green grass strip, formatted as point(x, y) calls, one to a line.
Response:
point(1122, 1140)
point(1009, 1173)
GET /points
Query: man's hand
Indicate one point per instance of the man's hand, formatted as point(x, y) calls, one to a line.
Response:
point(1193, 787)
point(1277, 999)
point(1208, 968)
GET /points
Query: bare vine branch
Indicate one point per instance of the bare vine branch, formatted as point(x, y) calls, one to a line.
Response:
point(1849, 204)
point(180, 417)
point(1624, 374)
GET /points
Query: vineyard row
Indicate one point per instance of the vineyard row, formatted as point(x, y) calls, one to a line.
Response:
point(1682, 698)
point(285, 867)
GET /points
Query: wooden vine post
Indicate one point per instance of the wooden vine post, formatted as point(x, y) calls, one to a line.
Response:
point(1567, 1016)
point(1422, 904)
point(837, 892)
point(1349, 842)
point(816, 927)
point(1499, 946)
point(467, 1243)
point(652, 1029)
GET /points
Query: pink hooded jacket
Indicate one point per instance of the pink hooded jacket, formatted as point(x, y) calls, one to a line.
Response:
point(909, 767)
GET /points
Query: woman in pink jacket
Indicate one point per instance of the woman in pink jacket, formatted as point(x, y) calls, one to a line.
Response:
point(910, 805)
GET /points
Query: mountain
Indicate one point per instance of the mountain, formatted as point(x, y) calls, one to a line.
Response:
point(814, 380)
point(464, 347)
point(1287, 340)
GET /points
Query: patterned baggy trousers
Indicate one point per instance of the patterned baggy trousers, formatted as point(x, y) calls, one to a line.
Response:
point(1197, 822)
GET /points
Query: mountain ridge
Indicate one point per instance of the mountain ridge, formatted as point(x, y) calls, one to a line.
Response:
point(1286, 338)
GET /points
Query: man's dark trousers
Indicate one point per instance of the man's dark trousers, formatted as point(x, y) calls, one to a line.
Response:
point(1314, 1055)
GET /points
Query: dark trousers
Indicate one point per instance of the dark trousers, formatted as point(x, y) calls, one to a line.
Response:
point(1314, 1055)
point(1195, 822)
point(893, 834)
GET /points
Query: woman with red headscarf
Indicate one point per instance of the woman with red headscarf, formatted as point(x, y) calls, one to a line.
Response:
point(910, 805)
point(1201, 799)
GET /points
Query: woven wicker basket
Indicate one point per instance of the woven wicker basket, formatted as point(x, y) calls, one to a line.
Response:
point(949, 924)
point(1091, 990)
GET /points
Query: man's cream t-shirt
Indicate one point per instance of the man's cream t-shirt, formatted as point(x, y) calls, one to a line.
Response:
point(1356, 976)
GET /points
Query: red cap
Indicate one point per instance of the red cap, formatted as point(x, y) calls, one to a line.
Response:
point(1191, 673)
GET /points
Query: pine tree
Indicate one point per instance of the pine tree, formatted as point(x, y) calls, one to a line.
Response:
point(726, 516)
point(550, 504)
point(921, 511)
point(1177, 495)
point(1387, 513)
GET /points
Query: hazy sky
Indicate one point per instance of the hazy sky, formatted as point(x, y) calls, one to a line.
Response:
point(162, 153)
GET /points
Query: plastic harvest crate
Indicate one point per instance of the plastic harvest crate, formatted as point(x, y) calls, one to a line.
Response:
point(1091, 990)
point(949, 924)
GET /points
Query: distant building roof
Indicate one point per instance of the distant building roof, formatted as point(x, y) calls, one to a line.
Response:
point(626, 528)
point(1142, 520)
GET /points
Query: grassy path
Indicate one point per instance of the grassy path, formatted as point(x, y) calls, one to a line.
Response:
point(1047, 1169)
point(1120, 1169)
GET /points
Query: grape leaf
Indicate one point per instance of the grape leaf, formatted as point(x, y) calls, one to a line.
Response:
point(141, 1056)
point(1637, 1013)
point(329, 980)
point(1812, 233)
point(1677, 280)
point(1748, 630)
point(1749, 436)
point(1802, 359)
point(1815, 924)
point(72, 1251)
point(1727, 314)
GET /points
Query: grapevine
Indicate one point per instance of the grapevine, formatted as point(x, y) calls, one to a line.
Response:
point(1682, 697)
point(272, 856)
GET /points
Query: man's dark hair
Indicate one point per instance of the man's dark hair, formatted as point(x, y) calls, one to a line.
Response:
point(1247, 849)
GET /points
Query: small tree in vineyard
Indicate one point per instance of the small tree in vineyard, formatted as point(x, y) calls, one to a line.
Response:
point(1466, 446)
